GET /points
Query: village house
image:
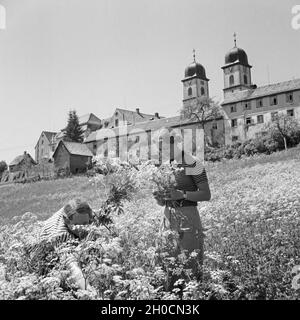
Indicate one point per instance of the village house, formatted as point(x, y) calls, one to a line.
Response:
point(74, 157)
point(48, 141)
point(22, 163)
point(45, 146)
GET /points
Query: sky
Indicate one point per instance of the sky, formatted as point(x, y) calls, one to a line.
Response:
point(97, 55)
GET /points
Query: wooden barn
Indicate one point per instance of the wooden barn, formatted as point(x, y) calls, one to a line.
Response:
point(72, 156)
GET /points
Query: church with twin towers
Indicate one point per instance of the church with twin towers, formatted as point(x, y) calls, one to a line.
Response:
point(245, 110)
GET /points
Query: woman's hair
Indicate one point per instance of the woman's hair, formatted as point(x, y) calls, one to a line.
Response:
point(77, 206)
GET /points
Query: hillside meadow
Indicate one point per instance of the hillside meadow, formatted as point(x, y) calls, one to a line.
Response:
point(252, 243)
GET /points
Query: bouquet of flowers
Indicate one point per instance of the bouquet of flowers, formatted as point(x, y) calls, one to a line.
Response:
point(164, 182)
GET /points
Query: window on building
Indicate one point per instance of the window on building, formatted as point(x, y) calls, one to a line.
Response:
point(42, 141)
point(234, 138)
point(290, 112)
point(233, 108)
point(245, 79)
point(116, 122)
point(260, 119)
point(248, 120)
point(289, 97)
point(118, 146)
point(247, 105)
point(95, 146)
point(273, 101)
point(215, 126)
point(259, 103)
point(106, 147)
point(233, 123)
point(231, 80)
point(274, 116)
point(190, 91)
point(202, 91)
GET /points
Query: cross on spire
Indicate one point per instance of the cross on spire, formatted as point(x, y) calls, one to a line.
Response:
point(194, 55)
point(234, 37)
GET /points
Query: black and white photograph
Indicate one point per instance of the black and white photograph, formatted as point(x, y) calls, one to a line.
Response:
point(149, 151)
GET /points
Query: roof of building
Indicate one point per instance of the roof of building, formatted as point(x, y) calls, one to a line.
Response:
point(17, 160)
point(195, 69)
point(263, 91)
point(236, 55)
point(75, 148)
point(89, 118)
point(153, 125)
point(130, 116)
point(139, 116)
point(49, 135)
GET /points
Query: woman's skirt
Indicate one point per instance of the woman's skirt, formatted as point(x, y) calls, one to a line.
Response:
point(186, 221)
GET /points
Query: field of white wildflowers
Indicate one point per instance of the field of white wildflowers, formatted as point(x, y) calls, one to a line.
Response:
point(252, 243)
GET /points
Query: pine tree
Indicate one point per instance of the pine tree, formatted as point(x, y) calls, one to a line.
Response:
point(73, 130)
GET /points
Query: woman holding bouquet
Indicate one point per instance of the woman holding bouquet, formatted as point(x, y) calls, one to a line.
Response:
point(181, 213)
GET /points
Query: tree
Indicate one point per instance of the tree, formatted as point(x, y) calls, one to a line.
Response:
point(285, 130)
point(73, 131)
point(3, 167)
point(203, 109)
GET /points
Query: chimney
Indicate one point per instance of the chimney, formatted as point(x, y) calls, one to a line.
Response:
point(138, 110)
point(157, 115)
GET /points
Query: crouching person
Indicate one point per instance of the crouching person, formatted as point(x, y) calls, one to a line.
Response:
point(62, 226)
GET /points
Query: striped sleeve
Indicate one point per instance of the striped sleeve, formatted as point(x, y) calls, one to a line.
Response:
point(55, 230)
point(200, 178)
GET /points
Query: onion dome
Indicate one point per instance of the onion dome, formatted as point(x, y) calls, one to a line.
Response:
point(195, 69)
point(236, 55)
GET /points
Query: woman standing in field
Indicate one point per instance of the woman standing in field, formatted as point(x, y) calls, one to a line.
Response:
point(181, 213)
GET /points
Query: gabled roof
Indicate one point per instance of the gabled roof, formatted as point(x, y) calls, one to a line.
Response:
point(138, 115)
point(75, 148)
point(132, 117)
point(17, 160)
point(89, 118)
point(263, 91)
point(49, 135)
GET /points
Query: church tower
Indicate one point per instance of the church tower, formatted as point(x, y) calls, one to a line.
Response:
point(195, 83)
point(237, 71)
